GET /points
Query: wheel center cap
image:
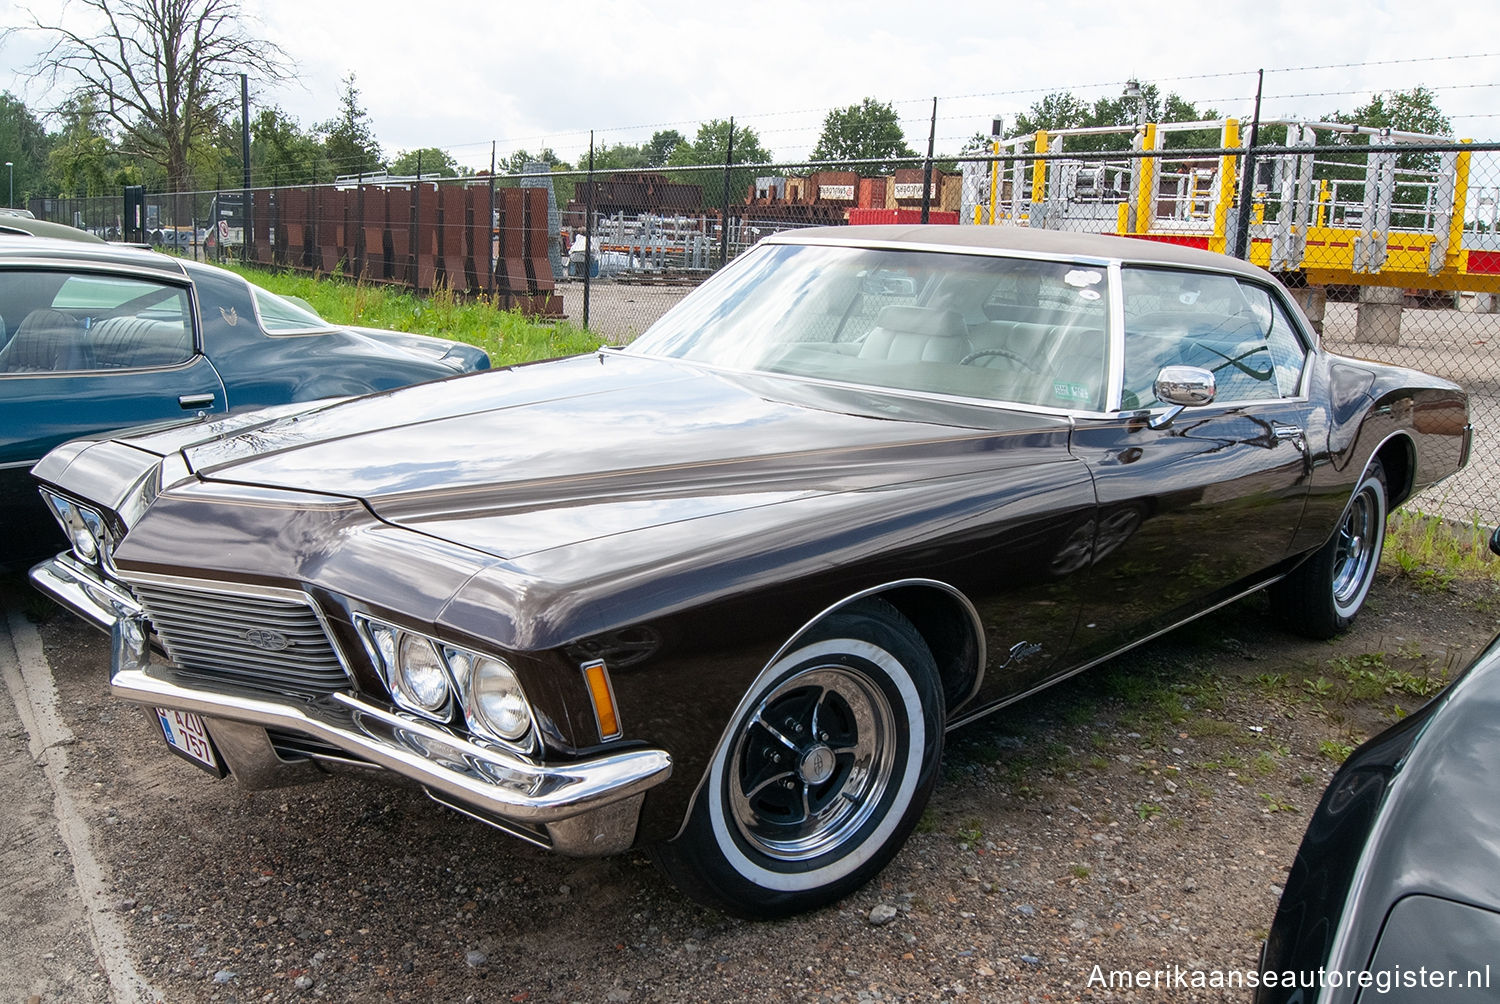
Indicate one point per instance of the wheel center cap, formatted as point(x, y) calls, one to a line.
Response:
point(816, 765)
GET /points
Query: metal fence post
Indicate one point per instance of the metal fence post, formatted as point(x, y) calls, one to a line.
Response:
point(1247, 182)
point(249, 206)
point(588, 235)
point(728, 160)
point(927, 167)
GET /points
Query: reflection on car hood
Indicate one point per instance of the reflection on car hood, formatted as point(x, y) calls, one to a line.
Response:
point(549, 454)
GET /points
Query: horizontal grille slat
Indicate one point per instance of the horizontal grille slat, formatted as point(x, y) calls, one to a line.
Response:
point(209, 634)
point(194, 610)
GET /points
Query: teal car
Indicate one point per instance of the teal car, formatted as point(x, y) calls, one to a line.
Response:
point(97, 337)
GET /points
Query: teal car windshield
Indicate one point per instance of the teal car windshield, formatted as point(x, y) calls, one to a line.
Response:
point(1015, 330)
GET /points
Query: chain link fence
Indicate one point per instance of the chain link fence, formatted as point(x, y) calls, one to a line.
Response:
point(1387, 240)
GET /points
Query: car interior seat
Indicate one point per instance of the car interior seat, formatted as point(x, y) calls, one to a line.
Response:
point(916, 334)
point(127, 342)
point(46, 341)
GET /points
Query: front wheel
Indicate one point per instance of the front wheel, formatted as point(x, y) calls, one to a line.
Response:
point(1321, 596)
point(822, 775)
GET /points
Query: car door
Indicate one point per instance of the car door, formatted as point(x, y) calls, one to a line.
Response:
point(1196, 511)
point(85, 352)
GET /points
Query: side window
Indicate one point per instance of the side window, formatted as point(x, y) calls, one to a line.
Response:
point(1288, 354)
point(93, 322)
point(1231, 328)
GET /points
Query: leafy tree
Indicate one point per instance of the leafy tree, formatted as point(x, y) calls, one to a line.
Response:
point(516, 162)
point(163, 73)
point(283, 153)
point(433, 162)
point(1065, 110)
point(1415, 110)
point(348, 138)
point(621, 157)
point(663, 142)
point(642, 157)
point(711, 146)
point(869, 130)
point(82, 159)
point(24, 142)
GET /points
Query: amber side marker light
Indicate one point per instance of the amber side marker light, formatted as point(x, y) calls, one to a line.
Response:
point(603, 696)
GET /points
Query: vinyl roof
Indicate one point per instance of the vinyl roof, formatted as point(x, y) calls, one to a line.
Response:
point(1023, 240)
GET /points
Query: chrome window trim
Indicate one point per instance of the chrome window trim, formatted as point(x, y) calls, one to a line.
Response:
point(112, 270)
point(281, 593)
point(1310, 346)
point(85, 263)
point(1094, 261)
point(1114, 325)
point(1098, 261)
point(1114, 340)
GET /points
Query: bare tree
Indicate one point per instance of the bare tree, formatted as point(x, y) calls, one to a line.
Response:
point(164, 71)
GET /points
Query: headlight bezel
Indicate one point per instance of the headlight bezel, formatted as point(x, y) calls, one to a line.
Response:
point(387, 644)
point(88, 533)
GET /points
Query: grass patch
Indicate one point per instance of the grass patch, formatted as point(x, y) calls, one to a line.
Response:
point(1334, 750)
point(1263, 765)
point(506, 335)
point(1431, 552)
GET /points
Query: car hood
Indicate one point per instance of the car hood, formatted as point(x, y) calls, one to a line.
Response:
point(549, 454)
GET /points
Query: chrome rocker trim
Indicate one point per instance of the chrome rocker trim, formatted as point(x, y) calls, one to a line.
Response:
point(590, 807)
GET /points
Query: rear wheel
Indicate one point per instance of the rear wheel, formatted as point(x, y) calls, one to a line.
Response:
point(823, 774)
point(1321, 597)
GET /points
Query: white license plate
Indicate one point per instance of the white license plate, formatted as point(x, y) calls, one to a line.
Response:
point(186, 734)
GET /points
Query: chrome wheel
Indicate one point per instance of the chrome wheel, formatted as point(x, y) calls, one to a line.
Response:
point(821, 772)
point(812, 764)
point(1320, 597)
point(1356, 547)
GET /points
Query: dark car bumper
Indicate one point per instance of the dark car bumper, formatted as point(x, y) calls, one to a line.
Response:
point(584, 807)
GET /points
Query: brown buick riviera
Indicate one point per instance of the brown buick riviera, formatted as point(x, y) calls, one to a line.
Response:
point(722, 593)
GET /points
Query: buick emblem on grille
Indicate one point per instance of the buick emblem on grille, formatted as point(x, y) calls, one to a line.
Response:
point(266, 639)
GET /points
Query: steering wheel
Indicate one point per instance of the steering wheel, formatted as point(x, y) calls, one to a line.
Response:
point(1020, 361)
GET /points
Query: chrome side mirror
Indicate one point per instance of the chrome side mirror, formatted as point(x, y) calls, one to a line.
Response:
point(1182, 387)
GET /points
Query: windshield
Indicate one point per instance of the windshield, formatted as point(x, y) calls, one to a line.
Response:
point(1004, 329)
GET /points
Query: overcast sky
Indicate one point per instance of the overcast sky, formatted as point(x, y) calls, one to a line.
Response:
point(458, 75)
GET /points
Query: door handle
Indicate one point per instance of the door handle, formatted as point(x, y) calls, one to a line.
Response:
point(193, 402)
point(1292, 432)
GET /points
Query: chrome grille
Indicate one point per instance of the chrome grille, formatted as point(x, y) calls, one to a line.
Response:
point(209, 635)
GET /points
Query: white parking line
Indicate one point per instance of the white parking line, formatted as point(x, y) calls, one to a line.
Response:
point(23, 666)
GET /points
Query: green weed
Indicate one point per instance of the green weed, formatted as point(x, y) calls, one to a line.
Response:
point(1274, 804)
point(1147, 811)
point(1336, 751)
point(506, 335)
point(1433, 552)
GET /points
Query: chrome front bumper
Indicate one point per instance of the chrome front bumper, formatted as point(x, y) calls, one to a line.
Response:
point(588, 807)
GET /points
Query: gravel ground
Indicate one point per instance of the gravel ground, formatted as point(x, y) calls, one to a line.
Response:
point(1137, 817)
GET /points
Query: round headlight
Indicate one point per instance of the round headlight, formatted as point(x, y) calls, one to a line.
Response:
point(84, 544)
point(496, 699)
point(421, 674)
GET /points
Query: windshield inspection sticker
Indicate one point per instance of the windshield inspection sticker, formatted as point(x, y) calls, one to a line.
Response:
point(1081, 277)
point(1088, 294)
point(1071, 391)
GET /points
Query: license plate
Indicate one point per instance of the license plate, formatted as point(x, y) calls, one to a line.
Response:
point(187, 736)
